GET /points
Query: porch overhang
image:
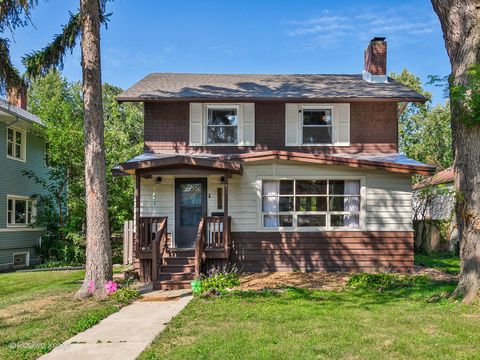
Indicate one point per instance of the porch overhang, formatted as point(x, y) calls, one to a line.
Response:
point(389, 162)
point(148, 163)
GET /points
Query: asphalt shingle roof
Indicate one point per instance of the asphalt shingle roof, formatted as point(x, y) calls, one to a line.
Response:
point(171, 86)
point(18, 112)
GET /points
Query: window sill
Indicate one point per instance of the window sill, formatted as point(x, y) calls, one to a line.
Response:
point(311, 229)
point(16, 159)
point(319, 145)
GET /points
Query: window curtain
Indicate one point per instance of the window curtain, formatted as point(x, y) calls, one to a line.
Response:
point(352, 204)
point(270, 202)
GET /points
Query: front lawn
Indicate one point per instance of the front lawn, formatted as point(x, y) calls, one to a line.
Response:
point(37, 312)
point(407, 323)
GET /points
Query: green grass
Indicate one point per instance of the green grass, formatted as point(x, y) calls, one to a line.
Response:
point(418, 322)
point(37, 312)
point(449, 263)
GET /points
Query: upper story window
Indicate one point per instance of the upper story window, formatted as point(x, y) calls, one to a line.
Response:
point(222, 125)
point(306, 204)
point(16, 141)
point(20, 211)
point(317, 126)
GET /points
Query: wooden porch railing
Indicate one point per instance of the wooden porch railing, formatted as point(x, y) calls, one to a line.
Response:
point(152, 242)
point(211, 236)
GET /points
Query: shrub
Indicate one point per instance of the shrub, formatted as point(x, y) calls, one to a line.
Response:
point(125, 295)
point(385, 281)
point(217, 281)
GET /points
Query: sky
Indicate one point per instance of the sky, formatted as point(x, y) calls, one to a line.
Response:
point(262, 36)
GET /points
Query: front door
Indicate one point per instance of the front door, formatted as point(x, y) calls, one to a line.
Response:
point(190, 207)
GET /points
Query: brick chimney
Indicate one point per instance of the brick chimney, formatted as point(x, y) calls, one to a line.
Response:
point(18, 97)
point(375, 69)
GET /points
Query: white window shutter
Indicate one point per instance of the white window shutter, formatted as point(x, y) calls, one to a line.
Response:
point(341, 121)
point(248, 125)
point(291, 124)
point(196, 124)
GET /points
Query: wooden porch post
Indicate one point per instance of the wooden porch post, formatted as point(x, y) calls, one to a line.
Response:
point(137, 228)
point(226, 224)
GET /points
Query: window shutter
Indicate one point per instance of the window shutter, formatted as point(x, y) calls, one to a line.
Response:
point(342, 124)
point(196, 124)
point(291, 124)
point(248, 125)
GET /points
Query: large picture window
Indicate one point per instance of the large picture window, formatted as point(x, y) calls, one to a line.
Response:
point(222, 125)
point(317, 126)
point(311, 204)
point(16, 144)
point(20, 211)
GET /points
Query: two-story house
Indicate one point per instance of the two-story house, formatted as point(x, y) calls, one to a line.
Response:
point(21, 149)
point(272, 172)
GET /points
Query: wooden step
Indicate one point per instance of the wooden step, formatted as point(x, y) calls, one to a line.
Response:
point(179, 260)
point(177, 268)
point(172, 284)
point(176, 276)
point(178, 252)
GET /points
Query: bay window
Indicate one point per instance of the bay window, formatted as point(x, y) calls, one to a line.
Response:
point(311, 203)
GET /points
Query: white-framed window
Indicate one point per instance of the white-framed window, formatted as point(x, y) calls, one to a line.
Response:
point(20, 211)
point(46, 154)
point(221, 126)
point(294, 204)
point(16, 143)
point(317, 125)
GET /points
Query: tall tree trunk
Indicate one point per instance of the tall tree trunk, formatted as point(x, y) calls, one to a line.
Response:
point(99, 253)
point(460, 20)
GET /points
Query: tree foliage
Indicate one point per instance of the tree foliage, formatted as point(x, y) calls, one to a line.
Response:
point(424, 131)
point(59, 104)
point(13, 14)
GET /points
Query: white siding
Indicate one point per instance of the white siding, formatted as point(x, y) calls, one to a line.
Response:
point(387, 199)
point(162, 204)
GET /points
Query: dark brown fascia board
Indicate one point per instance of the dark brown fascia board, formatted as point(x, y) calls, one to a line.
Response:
point(286, 100)
point(234, 167)
point(330, 160)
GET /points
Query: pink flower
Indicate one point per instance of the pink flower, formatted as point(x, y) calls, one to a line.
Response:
point(111, 287)
point(91, 287)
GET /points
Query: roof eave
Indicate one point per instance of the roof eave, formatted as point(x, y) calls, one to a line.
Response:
point(122, 99)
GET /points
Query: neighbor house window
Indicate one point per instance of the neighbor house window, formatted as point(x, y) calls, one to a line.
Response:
point(20, 211)
point(310, 204)
point(317, 127)
point(16, 144)
point(222, 125)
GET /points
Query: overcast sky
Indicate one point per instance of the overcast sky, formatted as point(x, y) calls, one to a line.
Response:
point(275, 36)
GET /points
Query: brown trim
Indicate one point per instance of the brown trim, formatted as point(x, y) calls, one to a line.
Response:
point(182, 160)
point(331, 160)
point(288, 100)
point(323, 251)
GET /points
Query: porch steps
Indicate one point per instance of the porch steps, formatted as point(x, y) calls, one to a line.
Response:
point(177, 271)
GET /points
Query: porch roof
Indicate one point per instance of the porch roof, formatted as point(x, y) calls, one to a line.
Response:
point(233, 162)
point(390, 162)
point(147, 162)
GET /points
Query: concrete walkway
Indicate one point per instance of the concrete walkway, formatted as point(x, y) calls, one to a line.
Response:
point(125, 334)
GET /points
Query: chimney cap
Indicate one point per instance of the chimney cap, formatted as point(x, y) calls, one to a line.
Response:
point(378, 38)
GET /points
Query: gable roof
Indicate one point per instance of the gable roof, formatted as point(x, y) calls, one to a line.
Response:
point(12, 110)
point(185, 86)
point(443, 177)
